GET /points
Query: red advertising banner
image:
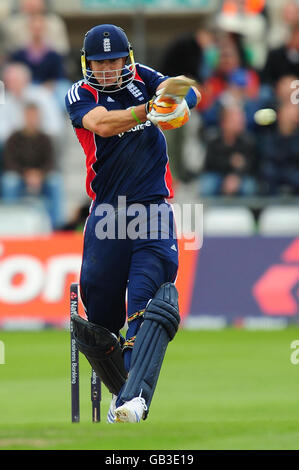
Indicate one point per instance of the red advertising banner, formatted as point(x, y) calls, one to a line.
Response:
point(230, 281)
point(36, 273)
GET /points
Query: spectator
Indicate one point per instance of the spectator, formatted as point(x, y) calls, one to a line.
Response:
point(29, 166)
point(18, 89)
point(45, 64)
point(279, 153)
point(280, 27)
point(230, 158)
point(246, 18)
point(285, 88)
point(284, 60)
point(17, 31)
point(194, 55)
point(231, 64)
point(285, 91)
point(232, 82)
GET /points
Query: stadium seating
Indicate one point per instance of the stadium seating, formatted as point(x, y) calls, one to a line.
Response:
point(279, 220)
point(23, 220)
point(228, 221)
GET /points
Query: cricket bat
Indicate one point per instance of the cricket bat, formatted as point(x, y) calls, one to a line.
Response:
point(178, 86)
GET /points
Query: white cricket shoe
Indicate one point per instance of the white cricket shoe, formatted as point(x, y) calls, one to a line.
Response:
point(111, 411)
point(131, 411)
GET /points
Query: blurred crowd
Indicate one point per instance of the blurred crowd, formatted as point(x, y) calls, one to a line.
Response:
point(244, 63)
point(33, 58)
point(243, 60)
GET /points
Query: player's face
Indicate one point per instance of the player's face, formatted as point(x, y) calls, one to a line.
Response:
point(108, 72)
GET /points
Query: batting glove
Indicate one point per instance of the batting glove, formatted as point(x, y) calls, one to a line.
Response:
point(168, 111)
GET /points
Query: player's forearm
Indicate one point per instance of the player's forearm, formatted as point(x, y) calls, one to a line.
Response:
point(109, 123)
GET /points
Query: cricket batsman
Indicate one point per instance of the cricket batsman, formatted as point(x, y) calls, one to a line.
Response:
point(118, 111)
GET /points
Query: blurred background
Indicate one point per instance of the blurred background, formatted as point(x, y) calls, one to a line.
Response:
point(238, 158)
point(240, 163)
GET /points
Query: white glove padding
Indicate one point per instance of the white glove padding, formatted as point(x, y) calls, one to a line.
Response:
point(160, 113)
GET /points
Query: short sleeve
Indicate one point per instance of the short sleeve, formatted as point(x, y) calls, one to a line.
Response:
point(151, 77)
point(79, 101)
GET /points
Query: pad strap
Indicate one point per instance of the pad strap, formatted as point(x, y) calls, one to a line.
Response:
point(129, 343)
point(135, 315)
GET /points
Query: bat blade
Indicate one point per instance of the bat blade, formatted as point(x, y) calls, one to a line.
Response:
point(178, 86)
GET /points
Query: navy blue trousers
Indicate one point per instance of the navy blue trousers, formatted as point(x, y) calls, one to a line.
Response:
point(119, 276)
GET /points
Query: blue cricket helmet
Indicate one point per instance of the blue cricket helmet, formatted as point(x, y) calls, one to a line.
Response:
point(107, 41)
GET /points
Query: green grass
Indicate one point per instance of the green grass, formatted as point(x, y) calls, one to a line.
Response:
point(230, 389)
